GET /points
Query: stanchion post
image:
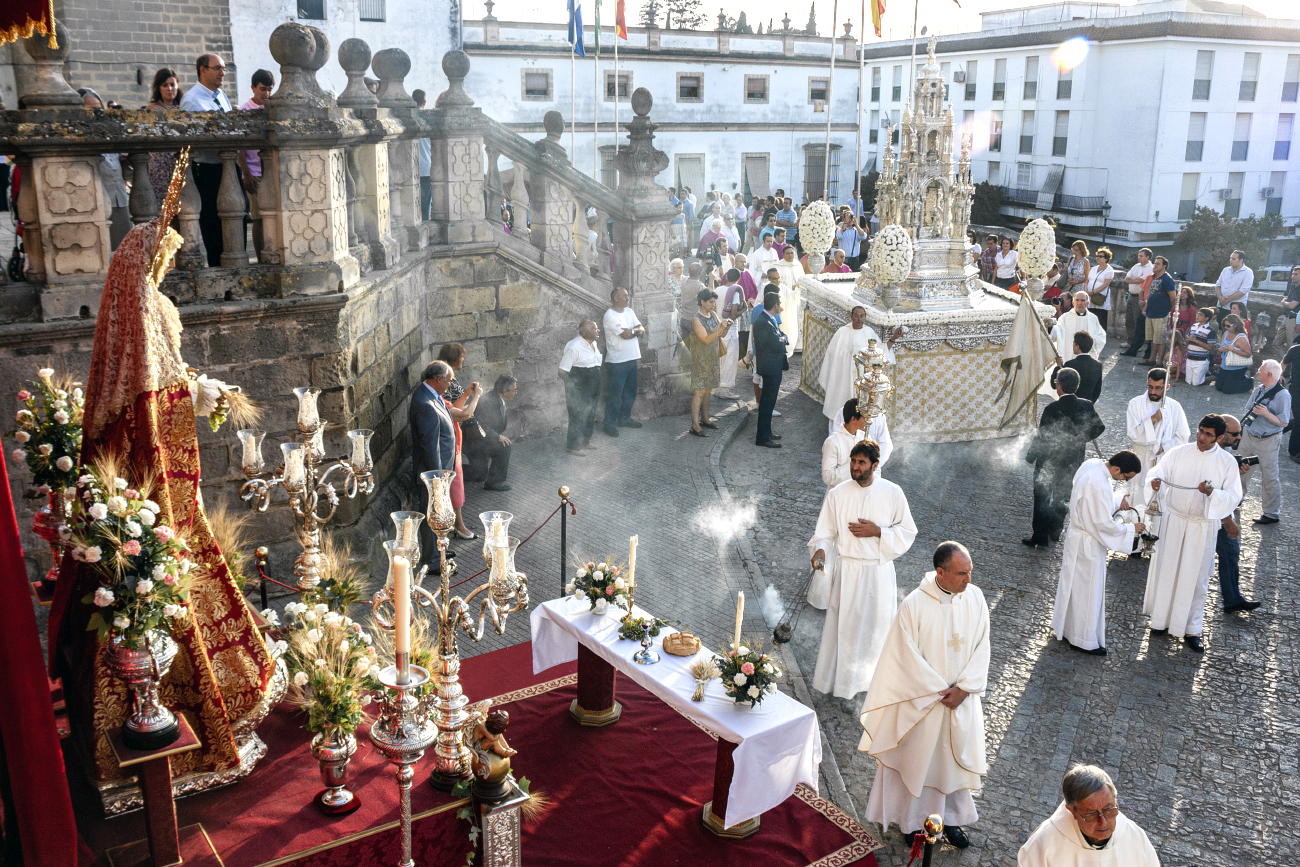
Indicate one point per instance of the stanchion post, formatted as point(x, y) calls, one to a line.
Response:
point(564, 534)
point(261, 554)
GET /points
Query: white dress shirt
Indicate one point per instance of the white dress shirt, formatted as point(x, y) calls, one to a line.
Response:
point(618, 349)
point(1231, 281)
point(579, 353)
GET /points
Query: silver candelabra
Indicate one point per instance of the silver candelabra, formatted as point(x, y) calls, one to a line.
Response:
point(305, 476)
point(402, 733)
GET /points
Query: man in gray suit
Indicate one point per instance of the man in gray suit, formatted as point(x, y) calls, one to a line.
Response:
point(490, 454)
point(433, 442)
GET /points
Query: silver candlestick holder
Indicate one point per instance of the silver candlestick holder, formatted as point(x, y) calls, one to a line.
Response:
point(305, 476)
point(872, 386)
point(402, 733)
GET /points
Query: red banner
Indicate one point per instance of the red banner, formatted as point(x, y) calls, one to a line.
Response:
point(20, 19)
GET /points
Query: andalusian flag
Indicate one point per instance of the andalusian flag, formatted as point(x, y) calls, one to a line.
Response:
point(877, 12)
point(575, 27)
point(620, 20)
point(597, 28)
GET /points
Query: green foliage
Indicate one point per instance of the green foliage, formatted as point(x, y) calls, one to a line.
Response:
point(49, 432)
point(1215, 236)
point(986, 208)
point(684, 14)
point(631, 628)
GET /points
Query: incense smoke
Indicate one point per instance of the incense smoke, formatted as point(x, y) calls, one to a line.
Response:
point(773, 607)
point(724, 522)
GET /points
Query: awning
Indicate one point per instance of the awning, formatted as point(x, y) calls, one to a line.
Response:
point(1051, 186)
point(756, 176)
point(690, 173)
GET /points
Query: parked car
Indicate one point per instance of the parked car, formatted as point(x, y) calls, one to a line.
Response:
point(1273, 280)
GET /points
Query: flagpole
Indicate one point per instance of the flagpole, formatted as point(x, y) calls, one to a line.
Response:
point(862, 66)
point(911, 70)
point(595, 109)
point(830, 84)
point(573, 101)
point(616, 82)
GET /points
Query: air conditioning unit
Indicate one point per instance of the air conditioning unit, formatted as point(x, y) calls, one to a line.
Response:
point(959, 77)
point(1266, 193)
point(1225, 194)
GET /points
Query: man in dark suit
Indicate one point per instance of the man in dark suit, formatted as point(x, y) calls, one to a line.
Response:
point(490, 453)
point(1057, 449)
point(1088, 368)
point(433, 442)
point(769, 363)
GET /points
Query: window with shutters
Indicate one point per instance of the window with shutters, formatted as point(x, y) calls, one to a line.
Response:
point(1241, 137)
point(1195, 137)
point(609, 166)
point(897, 93)
point(995, 131)
point(814, 172)
point(756, 175)
point(1291, 78)
point(1061, 136)
point(371, 10)
point(311, 10)
point(873, 132)
point(1232, 204)
point(1249, 77)
point(756, 89)
point(1273, 197)
point(1024, 176)
point(1031, 78)
point(1065, 84)
point(1187, 199)
point(1027, 119)
point(618, 87)
point(999, 79)
point(690, 172)
point(971, 69)
point(690, 87)
point(538, 85)
point(1204, 71)
point(1282, 144)
point(817, 88)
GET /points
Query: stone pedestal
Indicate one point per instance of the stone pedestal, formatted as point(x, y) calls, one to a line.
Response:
point(70, 207)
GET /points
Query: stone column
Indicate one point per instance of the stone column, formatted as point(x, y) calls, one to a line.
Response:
point(143, 203)
point(50, 89)
point(392, 66)
point(551, 200)
point(374, 184)
point(192, 256)
point(493, 194)
point(457, 166)
point(73, 232)
point(230, 207)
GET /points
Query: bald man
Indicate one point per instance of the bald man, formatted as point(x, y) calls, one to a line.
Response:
point(580, 371)
point(1079, 318)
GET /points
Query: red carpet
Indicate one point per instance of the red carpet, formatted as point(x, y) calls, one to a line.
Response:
point(630, 793)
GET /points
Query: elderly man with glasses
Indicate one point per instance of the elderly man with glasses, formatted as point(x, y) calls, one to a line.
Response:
point(1088, 828)
point(206, 95)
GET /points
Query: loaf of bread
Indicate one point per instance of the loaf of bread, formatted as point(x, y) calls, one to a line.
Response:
point(682, 644)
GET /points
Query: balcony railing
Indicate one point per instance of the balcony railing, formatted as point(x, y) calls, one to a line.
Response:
point(1060, 202)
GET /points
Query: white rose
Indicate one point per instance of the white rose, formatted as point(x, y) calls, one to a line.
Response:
point(343, 648)
point(582, 573)
point(120, 483)
point(309, 616)
point(293, 609)
point(144, 585)
point(569, 588)
point(602, 566)
point(300, 679)
point(601, 606)
point(133, 529)
point(45, 372)
point(739, 679)
point(24, 415)
point(578, 596)
point(64, 463)
point(743, 650)
point(76, 394)
point(598, 575)
point(62, 417)
point(313, 635)
point(320, 663)
point(104, 597)
point(767, 668)
point(271, 617)
point(753, 692)
point(151, 506)
point(60, 403)
point(93, 554)
point(619, 584)
point(281, 646)
point(320, 608)
point(170, 609)
point(99, 511)
point(117, 505)
point(181, 611)
point(360, 667)
point(374, 671)
point(45, 448)
point(22, 436)
point(121, 621)
point(146, 517)
point(20, 455)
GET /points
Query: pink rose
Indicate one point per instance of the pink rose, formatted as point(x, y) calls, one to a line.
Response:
point(131, 547)
point(609, 591)
point(164, 533)
point(170, 580)
point(24, 394)
point(131, 494)
point(747, 668)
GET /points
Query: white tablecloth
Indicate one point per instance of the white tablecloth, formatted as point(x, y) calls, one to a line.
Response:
point(779, 743)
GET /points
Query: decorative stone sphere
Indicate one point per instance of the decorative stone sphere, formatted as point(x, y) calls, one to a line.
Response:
point(292, 44)
point(322, 54)
point(354, 55)
point(642, 102)
point(817, 228)
point(455, 65)
point(38, 47)
point(391, 64)
point(553, 123)
point(1037, 248)
point(891, 255)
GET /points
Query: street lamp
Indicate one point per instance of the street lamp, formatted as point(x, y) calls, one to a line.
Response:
point(1105, 215)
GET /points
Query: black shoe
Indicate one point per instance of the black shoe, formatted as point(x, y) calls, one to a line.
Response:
point(496, 486)
point(1055, 537)
point(630, 423)
point(1137, 555)
point(1195, 643)
point(1243, 605)
point(956, 836)
point(775, 437)
point(1034, 542)
point(1131, 353)
point(610, 431)
point(1265, 519)
point(769, 445)
point(1159, 631)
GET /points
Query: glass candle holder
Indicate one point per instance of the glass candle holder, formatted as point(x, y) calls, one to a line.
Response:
point(251, 440)
point(295, 466)
point(496, 527)
point(360, 458)
point(395, 548)
point(317, 442)
point(308, 415)
point(503, 582)
point(441, 515)
point(407, 526)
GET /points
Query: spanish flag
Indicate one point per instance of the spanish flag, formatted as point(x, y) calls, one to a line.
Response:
point(620, 20)
point(877, 12)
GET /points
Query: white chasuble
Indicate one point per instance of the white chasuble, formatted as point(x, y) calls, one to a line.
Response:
point(1058, 843)
point(928, 757)
point(1179, 576)
point(835, 469)
point(1080, 615)
point(1150, 440)
point(1072, 323)
point(838, 370)
point(862, 596)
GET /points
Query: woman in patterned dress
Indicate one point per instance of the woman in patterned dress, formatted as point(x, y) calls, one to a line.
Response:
point(706, 331)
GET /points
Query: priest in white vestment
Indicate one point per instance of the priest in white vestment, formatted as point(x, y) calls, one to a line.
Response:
point(1153, 429)
point(1198, 485)
point(1087, 829)
point(838, 370)
point(762, 258)
point(1080, 616)
point(923, 720)
point(790, 269)
point(868, 522)
point(1076, 320)
point(835, 469)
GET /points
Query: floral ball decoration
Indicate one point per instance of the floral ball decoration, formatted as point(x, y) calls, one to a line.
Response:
point(748, 674)
point(1037, 248)
point(891, 255)
point(144, 567)
point(817, 228)
point(600, 584)
point(332, 664)
point(48, 433)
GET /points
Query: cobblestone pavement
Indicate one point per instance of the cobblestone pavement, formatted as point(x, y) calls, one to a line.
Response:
point(1202, 748)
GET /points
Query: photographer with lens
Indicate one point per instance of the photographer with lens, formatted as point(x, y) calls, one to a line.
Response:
point(1228, 544)
point(1267, 414)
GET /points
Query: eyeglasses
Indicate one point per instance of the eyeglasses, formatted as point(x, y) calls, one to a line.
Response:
point(1095, 815)
point(220, 68)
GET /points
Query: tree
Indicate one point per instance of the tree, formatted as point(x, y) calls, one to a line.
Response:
point(742, 25)
point(867, 189)
point(810, 29)
point(685, 14)
point(650, 13)
point(1213, 237)
point(986, 207)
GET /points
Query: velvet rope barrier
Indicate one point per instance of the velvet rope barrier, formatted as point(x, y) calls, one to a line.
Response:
point(558, 509)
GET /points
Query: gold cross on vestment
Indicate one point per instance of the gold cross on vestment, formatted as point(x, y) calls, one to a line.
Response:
point(956, 642)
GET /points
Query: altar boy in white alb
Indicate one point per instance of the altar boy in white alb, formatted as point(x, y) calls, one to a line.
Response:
point(1198, 485)
point(868, 522)
point(1156, 424)
point(835, 470)
point(923, 720)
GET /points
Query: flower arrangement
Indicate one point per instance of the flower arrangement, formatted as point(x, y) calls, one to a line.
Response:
point(891, 255)
point(216, 401)
point(48, 432)
point(332, 663)
point(1037, 248)
point(143, 564)
point(748, 675)
point(817, 228)
point(601, 585)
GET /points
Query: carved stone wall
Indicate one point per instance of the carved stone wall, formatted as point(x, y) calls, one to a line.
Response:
point(74, 234)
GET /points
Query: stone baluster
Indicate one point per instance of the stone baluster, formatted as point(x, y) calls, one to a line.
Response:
point(354, 221)
point(392, 66)
point(143, 203)
point(519, 202)
point(456, 170)
point(552, 202)
point(376, 214)
point(29, 214)
point(192, 256)
point(50, 89)
point(354, 57)
point(230, 207)
point(493, 194)
point(268, 198)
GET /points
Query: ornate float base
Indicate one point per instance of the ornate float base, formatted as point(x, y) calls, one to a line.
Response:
point(595, 718)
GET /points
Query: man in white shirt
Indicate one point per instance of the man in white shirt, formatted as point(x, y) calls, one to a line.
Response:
point(426, 165)
point(1234, 283)
point(621, 354)
point(855, 202)
point(206, 95)
point(729, 231)
point(1071, 323)
point(835, 469)
point(1134, 321)
point(580, 370)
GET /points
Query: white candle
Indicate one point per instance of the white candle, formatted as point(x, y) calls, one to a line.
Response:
point(498, 533)
point(740, 613)
point(631, 561)
point(402, 603)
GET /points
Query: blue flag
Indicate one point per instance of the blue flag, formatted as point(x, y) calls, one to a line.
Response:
point(575, 27)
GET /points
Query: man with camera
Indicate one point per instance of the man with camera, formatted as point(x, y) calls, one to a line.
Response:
point(1267, 414)
point(1228, 544)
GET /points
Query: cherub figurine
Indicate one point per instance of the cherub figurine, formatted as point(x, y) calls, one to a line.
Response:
point(490, 756)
